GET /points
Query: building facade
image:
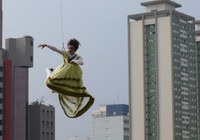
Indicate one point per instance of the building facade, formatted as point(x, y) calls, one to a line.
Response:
point(198, 63)
point(163, 82)
point(1, 74)
point(41, 120)
point(1, 97)
point(16, 58)
point(111, 122)
point(1, 23)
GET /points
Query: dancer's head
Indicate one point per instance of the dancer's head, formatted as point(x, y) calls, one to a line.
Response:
point(73, 45)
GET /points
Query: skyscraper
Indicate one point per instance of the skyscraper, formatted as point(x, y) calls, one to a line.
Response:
point(1, 75)
point(198, 63)
point(163, 73)
point(16, 59)
point(1, 96)
point(1, 23)
point(111, 122)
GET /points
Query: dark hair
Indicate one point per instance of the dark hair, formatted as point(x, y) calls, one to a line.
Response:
point(74, 42)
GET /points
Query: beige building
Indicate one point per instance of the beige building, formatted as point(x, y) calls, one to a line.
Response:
point(163, 73)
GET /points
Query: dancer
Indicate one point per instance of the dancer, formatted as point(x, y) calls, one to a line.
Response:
point(66, 80)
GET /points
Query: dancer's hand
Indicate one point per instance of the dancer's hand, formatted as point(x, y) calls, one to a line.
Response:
point(72, 62)
point(42, 46)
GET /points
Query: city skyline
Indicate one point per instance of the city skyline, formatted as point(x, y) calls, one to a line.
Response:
point(103, 36)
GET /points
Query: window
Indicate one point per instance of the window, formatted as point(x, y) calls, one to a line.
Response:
point(47, 124)
point(43, 135)
point(184, 62)
point(47, 112)
point(31, 58)
point(186, 134)
point(52, 114)
point(52, 136)
point(184, 76)
point(47, 135)
point(31, 43)
point(183, 48)
point(43, 124)
point(183, 34)
point(185, 105)
point(185, 119)
point(52, 126)
point(43, 113)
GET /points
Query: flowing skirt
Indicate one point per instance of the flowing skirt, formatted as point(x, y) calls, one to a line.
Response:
point(66, 80)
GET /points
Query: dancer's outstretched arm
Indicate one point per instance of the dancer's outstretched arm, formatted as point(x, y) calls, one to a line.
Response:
point(50, 47)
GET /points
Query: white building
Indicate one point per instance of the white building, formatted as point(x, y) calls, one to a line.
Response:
point(111, 122)
point(163, 73)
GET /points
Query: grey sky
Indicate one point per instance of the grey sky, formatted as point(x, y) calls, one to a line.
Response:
point(101, 27)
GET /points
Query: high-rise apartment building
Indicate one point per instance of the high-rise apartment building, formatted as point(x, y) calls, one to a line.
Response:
point(1, 23)
point(1, 74)
point(1, 96)
point(41, 122)
point(16, 59)
point(111, 122)
point(198, 63)
point(163, 73)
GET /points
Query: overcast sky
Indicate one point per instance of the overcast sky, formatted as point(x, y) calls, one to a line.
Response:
point(101, 27)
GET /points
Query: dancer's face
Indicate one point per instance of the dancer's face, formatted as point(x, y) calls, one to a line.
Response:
point(71, 49)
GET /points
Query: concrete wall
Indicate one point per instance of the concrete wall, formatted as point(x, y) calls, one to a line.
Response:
point(136, 71)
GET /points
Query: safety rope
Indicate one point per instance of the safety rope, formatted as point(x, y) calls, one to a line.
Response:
point(61, 21)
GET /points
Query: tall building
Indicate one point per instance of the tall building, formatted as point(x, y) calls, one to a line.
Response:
point(111, 122)
point(1, 23)
point(16, 59)
point(198, 63)
point(41, 122)
point(1, 74)
point(163, 73)
point(1, 96)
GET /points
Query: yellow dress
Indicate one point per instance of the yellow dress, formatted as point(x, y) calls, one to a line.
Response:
point(66, 80)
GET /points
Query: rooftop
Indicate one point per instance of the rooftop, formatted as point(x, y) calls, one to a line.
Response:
point(155, 2)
